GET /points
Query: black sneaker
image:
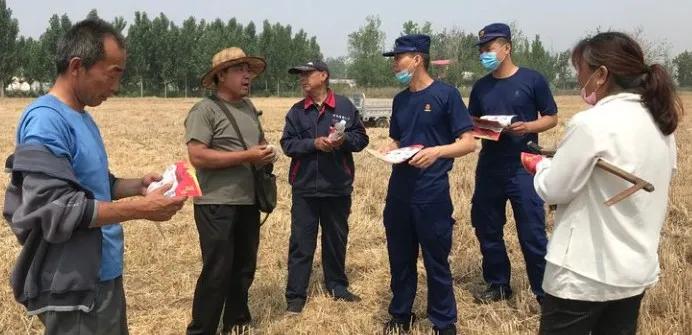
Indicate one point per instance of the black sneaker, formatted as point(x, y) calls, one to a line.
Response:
point(494, 293)
point(449, 330)
point(345, 295)
point(399, 326)
point(295, 307)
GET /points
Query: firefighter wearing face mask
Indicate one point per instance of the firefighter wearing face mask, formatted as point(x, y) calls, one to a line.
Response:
point(524, 94)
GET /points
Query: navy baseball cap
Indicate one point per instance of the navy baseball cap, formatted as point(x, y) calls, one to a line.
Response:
point(493, 31)
point(410, 43)
point(314, 65)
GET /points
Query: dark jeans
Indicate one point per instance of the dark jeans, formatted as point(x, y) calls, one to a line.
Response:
point(229, 238)
point(307, 215)
point(493, 189)
point(574, 317)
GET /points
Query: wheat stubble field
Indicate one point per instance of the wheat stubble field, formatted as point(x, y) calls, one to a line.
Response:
point(143, 135)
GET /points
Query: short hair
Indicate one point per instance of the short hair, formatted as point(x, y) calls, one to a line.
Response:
point(505, 41)
point(85, 40)
point(426, 60)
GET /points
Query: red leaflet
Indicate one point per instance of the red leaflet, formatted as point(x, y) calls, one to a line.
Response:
point(187, 181)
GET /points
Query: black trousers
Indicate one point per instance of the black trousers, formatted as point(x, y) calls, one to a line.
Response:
point(108, 316)
point(574, 317)
point(307, 215)
point(229, 238)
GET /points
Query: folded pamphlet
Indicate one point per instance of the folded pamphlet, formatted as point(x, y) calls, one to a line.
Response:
point(397, 156)
point(490, 127)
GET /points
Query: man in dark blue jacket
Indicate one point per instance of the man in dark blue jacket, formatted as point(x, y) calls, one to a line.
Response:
point(321, 133)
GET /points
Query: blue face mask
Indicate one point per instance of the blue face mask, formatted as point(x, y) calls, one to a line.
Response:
point(489, 61)
point(404, 77)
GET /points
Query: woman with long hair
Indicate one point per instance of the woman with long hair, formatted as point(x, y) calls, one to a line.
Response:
point(601, 259)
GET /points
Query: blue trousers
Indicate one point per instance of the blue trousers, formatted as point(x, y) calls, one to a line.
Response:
point(493, 189)
point(429, 226)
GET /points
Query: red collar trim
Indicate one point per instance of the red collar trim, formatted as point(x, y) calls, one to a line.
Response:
point(330, 101)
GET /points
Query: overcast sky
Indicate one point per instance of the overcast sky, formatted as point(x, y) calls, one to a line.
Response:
point(560, 23)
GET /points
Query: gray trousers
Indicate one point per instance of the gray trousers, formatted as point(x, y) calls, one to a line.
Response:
point(108, 316)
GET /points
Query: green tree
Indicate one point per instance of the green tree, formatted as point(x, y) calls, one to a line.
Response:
point(459, 47)
point(281, 46)
point(410, 27)
point(338, 67)
point(564, 76)
point(683, 68)
point(171, 63)
point(249, 43)
point(541, 60)
point(212, 39)
point(137, 60)
point(265, 48)
point(365, 47)
point(31, 58)
point(160, 54)
point(57, 27)
point(314, 49)
point(8, 42)
point(167, 58)
point(190, 64)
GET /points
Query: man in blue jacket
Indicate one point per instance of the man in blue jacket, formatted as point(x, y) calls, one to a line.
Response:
point(321, 176)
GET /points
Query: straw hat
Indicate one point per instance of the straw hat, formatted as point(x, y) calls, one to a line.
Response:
point(229, 57)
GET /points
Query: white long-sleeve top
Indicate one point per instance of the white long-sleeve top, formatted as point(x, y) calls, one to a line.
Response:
point(613, 246)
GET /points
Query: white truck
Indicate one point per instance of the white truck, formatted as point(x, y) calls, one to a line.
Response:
point(374, 112)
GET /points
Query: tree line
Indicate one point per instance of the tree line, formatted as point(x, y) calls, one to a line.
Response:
point(365, 64)
point(164, 58)
point(168, 59)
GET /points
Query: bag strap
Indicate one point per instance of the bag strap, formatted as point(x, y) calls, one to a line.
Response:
point(230, 118)
point(257, 115)
point(234, 123)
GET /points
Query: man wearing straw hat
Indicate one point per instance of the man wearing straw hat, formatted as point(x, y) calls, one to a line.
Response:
point(224, 138)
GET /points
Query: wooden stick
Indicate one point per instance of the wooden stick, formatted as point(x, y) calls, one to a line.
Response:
point(624, 175)
point(600, 163)
point(624, 194)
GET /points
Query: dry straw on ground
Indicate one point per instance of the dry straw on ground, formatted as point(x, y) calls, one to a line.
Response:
point(145, 135)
